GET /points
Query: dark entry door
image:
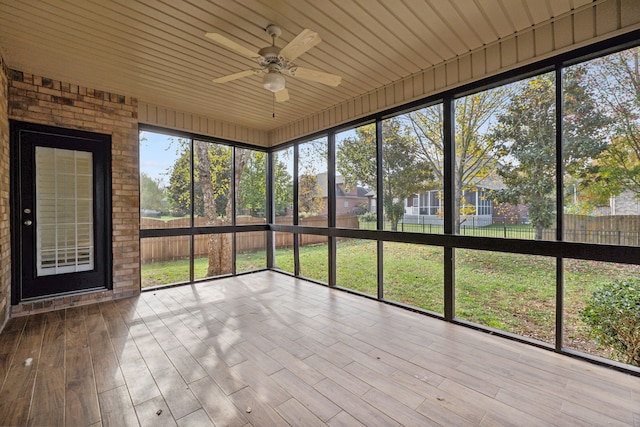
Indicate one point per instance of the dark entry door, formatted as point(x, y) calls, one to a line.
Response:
point(62, 212)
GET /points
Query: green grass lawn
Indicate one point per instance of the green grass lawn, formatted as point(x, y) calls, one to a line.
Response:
point(414, 275)
point(356, 265)
point(167, 272)
point(510, 292)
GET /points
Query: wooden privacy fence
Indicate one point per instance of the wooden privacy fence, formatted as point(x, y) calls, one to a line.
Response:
point(285, 240)
point(155, 249)
point(611, 230)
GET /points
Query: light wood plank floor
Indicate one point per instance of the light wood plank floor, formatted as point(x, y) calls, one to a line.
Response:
point(266, 349)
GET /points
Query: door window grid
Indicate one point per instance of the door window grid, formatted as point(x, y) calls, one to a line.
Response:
point(64, 211)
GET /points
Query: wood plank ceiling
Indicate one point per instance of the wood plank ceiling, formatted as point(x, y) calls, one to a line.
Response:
point(155, 50)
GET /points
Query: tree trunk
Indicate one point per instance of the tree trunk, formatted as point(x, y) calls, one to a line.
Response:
point(457, 196)
point(539, 229)
point(456, 210)
point(219, 249)
point(218, 245)
point(223, 252)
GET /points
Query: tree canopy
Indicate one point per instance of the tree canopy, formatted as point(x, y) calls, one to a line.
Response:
point(404, 173)
point(151, 193)
point(475, 153)
point(309, 195)
point(219, 171)
point(525, 138)
point(616, 80)
point(252, 191)
point(312, 160)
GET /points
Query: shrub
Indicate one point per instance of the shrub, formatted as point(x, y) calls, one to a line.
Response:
point(368, 217)
point(361, 209)
point(613, 316)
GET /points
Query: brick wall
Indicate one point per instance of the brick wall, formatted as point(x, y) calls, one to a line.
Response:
point(5, 238)
point(45, 101)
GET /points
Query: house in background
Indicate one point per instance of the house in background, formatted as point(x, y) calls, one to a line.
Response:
point(477, 206)
point(354, 200)
point(626, 203)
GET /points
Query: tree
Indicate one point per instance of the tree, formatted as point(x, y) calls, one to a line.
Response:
point(616, 80)
point(404, 173)
point(525, 138)
point(283, 187)
point(212, 191)
point(210, 162)
point(312, 157)
point(475, 153)
point(309, 195)
point(252, 194)
point(151, 195)
point(179, 189)
point(283, 181)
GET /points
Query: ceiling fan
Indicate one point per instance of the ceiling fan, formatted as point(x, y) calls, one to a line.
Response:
point(274, 62)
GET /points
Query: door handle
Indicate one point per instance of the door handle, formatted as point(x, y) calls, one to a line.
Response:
point(28, 222)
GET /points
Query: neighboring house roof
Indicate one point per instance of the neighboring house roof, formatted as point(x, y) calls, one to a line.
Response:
point(363, 192)
point(490, 182)
point(323, 182)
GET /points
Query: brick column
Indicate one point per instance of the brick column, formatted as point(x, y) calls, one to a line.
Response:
point(45, 101)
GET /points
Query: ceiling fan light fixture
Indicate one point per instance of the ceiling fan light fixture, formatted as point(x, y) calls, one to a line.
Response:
point(273, 81)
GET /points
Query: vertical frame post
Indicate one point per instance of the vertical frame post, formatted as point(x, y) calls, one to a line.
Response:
point(559, 207)
point(449, 204)
point(193, 210)
point(233, 192)
point(331, 205)
point(380, 207)
point(296, 192)
point(270, 212)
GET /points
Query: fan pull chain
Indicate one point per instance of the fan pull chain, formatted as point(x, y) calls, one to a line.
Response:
point(274, 105)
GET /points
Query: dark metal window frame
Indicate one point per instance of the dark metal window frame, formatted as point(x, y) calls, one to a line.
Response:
point(449, 241)
point(232, 228)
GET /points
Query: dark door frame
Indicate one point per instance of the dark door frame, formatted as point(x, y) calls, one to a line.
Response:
point(102, 235)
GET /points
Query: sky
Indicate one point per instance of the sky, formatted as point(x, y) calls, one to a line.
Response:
point(157, 155)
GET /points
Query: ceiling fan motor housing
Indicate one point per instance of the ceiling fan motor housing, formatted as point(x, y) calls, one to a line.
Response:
point(270, 54)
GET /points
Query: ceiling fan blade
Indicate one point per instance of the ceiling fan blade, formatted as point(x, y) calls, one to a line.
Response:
point(317, 76)
point(282, 95)
point(234, 76)
point(230, 44)
point(302, 43)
